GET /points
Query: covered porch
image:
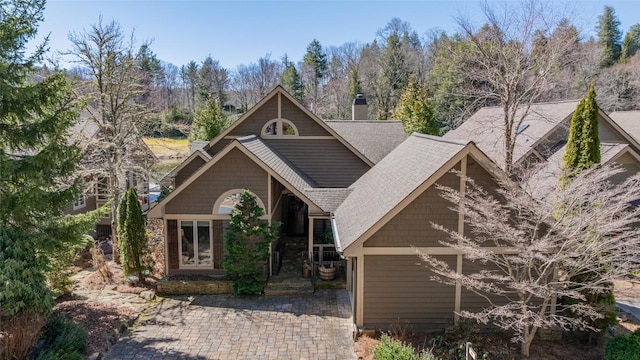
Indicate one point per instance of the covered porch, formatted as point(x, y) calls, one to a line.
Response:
point(305, 246)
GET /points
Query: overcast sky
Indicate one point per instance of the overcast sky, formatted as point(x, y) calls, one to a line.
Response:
point(240, 32)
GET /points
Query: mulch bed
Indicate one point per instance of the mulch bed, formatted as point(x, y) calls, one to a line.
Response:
point(104, 324)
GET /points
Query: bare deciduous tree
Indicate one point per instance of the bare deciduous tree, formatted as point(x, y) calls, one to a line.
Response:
point(512, 57)
point(114, 154)
point(531, 249)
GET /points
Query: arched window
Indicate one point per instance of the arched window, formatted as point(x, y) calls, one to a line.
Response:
point(279, 127)
point(227, 201)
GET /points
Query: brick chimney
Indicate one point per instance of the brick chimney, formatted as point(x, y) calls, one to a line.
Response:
point(359, 108)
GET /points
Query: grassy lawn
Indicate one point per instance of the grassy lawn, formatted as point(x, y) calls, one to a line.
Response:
point(166, 147)
point(170, 153)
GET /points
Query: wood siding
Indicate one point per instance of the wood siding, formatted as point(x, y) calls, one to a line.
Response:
point(89, 204)
point(187, 170)
point(327, 162)
point(412, 226)
point(173, 252)
point(471, 301)
point(306, 126)
point(607, 134)
point(398, 291)
point(233, 171)
point(254, 123)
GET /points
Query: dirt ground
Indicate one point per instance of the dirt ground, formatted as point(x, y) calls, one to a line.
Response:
point(104, 323)
point(499, 347)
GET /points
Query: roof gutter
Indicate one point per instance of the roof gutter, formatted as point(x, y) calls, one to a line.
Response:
point(336, 237)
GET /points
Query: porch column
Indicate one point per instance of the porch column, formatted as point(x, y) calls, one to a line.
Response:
point(310, 254)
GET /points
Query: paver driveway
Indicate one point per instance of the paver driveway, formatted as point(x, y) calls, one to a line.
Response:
point(317, 326)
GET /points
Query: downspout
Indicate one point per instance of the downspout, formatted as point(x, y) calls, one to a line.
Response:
point(336, 237)
point(339, 250)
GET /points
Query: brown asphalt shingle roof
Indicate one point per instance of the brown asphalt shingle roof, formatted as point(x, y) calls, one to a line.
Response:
point(373, 138)
point(277, 163)
point(326, 199)
point(485, 128)
point(389, 182)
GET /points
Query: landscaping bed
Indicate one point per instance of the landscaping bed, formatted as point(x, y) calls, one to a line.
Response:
point(497, 345)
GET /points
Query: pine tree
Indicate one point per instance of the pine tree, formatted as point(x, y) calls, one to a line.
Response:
point(314, 66)
point(355, 87)
point(415, 111)
point(247, 244)
point(209, 121)
point(609, 37)
point(37, 164)
point(291, 80)
point(630, 44)
point(133, 241)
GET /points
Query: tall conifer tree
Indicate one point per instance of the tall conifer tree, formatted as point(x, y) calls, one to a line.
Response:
point(37, 164)
point(583, 144)
point(609, 37)
point(133, 241)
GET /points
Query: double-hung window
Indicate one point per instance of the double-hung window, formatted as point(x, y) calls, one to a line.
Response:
point(196, 244)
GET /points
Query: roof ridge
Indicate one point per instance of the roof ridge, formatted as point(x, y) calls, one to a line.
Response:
point(440, 139)
point(364, 121)
point(533, 104)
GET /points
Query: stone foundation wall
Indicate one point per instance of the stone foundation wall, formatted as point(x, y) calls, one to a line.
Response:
point(201, 287)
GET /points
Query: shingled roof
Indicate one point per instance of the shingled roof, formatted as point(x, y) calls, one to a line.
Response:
point(389, 182)
point(277, 163)
point(547, 176)
point(629, 121)
point(373, 138)
point(486, 128)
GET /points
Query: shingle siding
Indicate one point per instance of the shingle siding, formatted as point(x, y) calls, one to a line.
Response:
point(305, 125)
point(254, 123)
point(187, 170)
point(399, 291)
point(233, 171)
point(412, 226)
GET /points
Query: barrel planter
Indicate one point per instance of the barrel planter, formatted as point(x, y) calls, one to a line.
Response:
point(327, 273)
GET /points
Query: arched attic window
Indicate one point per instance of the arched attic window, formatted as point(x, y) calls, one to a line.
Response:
point(227, 201)
point(279, 127)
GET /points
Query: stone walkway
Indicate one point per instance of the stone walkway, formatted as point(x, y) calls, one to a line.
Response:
point(317, 326)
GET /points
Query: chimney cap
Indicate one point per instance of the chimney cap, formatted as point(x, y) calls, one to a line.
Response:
point(360, 100)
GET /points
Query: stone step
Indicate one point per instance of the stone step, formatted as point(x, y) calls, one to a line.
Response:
point(288, 290)
point(288, 283)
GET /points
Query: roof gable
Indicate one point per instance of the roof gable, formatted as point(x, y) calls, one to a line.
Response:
point(629, 121)
point(262, 155)
point(394, 181)
point(271, 107)
point(486, 128)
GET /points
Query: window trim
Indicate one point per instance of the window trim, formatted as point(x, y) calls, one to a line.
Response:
point(196, 244)
point(80, 202)
point(279, 126)
point(225, 195)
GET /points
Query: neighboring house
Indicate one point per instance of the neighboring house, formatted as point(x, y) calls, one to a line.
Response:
point(95, 194)
point(629, 121)
point(541, 140)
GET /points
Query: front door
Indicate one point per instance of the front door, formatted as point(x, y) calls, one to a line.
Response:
point(295, 217)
